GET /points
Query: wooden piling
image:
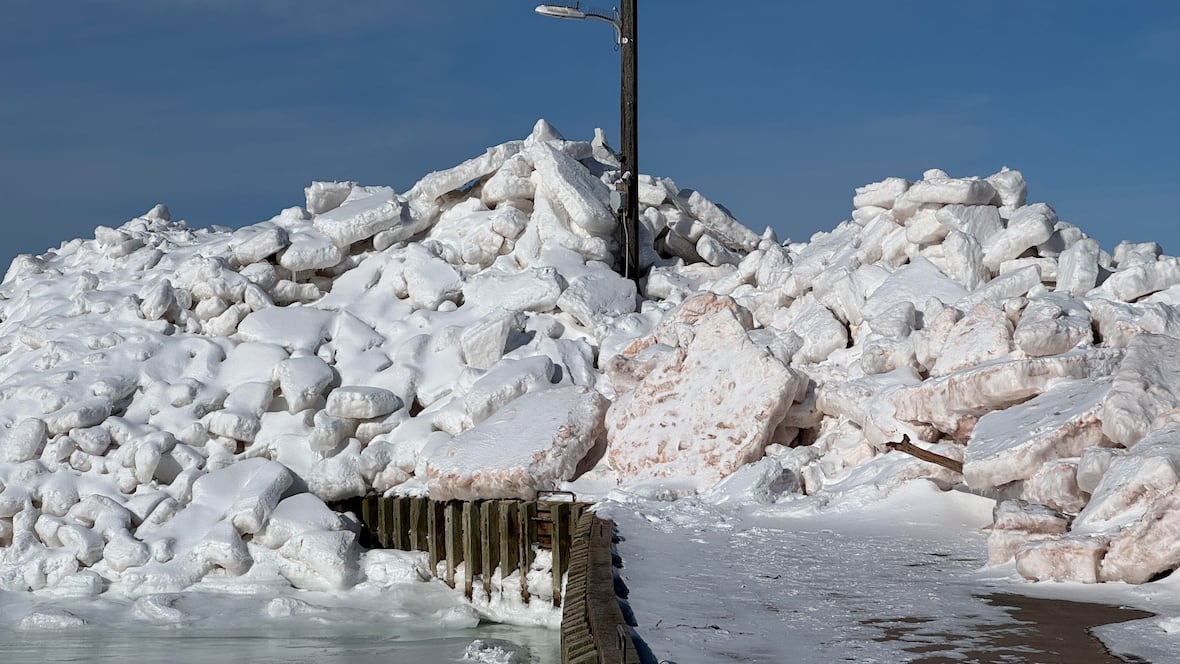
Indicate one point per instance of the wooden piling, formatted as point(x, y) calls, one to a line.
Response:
point(437, 523)
point(368, 521)
point(509, 537)
point(485, 538)
point(419, 525)
point(453, 536)
point(385, 524)
point(528, 533)
point(489, 542)
point(559, 512)
point(472, 554)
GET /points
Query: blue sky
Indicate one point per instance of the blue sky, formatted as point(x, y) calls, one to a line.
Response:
point(225, 109)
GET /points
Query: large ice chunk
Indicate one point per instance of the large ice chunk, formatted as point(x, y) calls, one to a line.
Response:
point(706, 410)
point(1011, 189)
point(1030, 225)
point(529, 445)
point(570, 187)
point(595, 296)
point(1133, 282)
point(1013, 444)
point(438, 183)
point(1015, 523)
point(948, 191)
point(1147, 385)
point(258, 242)
point(532, 289)
point(915, 283)
point(293, 328)
point(982, 335)
point(361, 403)
point(1132, 482)
point(366, 212)
point(954, 403)
point(324, 196)
point(1149, 546)
point(309, 250)
point(302, 381)
point(1077, 267)
point(880, 194)
point(1070, 558)
point(1052, 324)
point(296, 515)
point(325, 560)
point(717, 221)
point(430, 280)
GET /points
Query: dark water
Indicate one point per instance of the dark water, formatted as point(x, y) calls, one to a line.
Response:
point(1044, 631)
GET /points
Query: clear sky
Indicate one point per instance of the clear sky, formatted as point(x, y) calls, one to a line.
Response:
point(225, 109)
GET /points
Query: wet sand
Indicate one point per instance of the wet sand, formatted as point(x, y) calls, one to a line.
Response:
point(1043, 631)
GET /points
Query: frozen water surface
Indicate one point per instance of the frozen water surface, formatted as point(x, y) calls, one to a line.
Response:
point(219, 629)
point(900, 581)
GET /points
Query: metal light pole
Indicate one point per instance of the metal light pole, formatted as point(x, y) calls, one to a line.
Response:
point(626, 24)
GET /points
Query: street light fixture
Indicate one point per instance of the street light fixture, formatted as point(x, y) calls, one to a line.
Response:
point(576, 12)
point(626, 28)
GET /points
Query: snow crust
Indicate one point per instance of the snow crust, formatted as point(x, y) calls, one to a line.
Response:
point(177, 405)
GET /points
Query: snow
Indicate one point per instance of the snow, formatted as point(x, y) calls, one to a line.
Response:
point(177, 404)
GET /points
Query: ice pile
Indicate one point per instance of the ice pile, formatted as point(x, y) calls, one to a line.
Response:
point(178, 405)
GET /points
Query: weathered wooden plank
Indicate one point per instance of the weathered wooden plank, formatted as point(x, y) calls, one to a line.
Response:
point(509, 536)
point(543, 525)
point(419, 525)
point(368, 522)
point(401, 524)
point(453, 535)
point(472, 555)
point(438, 547)
point(524, 519)
point(489, 534)
point(588, 657)
point(559, 512)
point(384, 522)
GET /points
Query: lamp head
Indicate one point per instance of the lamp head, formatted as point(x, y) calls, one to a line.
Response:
point(560, 11)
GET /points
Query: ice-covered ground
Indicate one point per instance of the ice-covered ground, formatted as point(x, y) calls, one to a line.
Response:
point(177, 405)
point(902, 579)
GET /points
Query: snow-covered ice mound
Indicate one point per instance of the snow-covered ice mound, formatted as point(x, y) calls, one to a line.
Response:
point(178, 405)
